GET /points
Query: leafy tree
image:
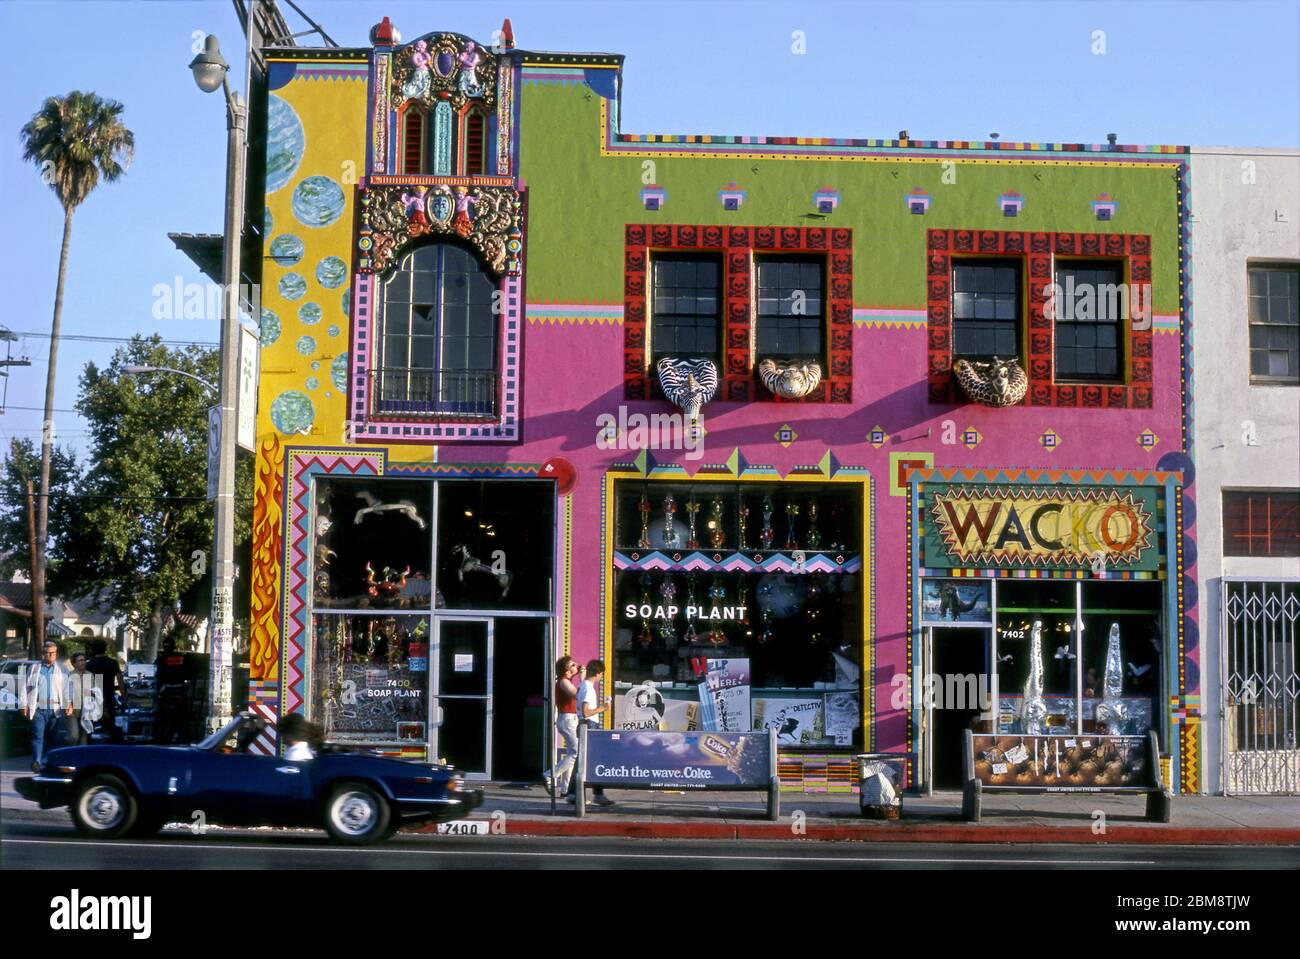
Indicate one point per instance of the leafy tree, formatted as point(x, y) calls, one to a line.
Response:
point(22, 465)
point(76, 141)
point(142, 524)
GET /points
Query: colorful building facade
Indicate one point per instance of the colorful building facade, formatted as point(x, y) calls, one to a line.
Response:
point(533, 386)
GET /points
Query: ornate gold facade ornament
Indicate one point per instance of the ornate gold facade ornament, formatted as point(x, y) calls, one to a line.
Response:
point(486, 217)
point(445, 66)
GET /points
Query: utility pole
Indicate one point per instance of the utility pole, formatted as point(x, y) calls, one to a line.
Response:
point(36, 639)
point(210, 70)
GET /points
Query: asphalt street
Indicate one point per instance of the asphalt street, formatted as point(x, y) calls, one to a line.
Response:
point(36, 846)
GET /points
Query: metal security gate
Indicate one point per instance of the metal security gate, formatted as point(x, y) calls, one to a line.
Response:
point(1260, 686)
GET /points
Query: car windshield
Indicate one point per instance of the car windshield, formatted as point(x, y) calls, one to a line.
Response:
point(221, 734)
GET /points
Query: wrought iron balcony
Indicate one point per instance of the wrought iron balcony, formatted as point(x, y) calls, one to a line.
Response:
point(442, 393)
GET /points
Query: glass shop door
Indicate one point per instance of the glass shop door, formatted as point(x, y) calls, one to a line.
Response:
point(460, 701)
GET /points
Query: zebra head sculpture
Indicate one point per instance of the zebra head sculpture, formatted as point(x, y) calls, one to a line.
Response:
point(791, 379)
point(688, 383)
point(992, 383)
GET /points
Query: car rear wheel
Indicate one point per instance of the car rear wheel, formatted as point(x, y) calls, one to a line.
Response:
point(356, 814)
point(104, 808)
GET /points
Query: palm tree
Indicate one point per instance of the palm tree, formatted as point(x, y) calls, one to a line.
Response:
point(75, 140)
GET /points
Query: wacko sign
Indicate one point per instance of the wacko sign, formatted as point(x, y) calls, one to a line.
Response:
point(1048, 527)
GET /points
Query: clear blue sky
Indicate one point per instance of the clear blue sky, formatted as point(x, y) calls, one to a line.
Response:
point(1175, 72)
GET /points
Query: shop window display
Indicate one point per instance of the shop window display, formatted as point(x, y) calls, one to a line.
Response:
point(373, 544)
point(1101, 655)
point(763, 576)
point(495, 542)
point(370, 677)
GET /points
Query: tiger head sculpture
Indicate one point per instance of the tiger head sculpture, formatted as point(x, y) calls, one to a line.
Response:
point(688, 383)
point(791, 379)
point(994, 382)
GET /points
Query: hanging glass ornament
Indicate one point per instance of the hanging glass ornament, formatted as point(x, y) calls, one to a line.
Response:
point(670, 533)
point(717, 536)
point(766, 534)
point(765, 620)
point(692, 511)
point(644, 508)
point(742, 514)
point(814, 537)
point(791, 511)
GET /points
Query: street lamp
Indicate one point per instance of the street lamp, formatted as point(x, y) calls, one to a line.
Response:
point(210, 72)
point(137, 370)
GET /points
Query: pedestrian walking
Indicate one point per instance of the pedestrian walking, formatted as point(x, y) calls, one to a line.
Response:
point(566, 722)
point(590, 708)
point(109, 685)
point(81, 695)
point(47, 702)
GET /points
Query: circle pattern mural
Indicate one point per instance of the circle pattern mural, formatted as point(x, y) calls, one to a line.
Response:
point(347, 303)
point(309, 313)
point(331, 272)
point(292, 412)
point(317, 201)
point(306, 345)
point(313, 383)
point(269, 330)
point(333, 329)
point(286, 249)
point(284, 144)
point(339, 371)
point(293, 286)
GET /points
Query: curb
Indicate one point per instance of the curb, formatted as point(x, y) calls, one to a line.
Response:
point(1041, 835)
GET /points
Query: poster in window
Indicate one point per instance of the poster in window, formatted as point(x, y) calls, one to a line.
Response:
point(798, 721)
point(843, 715)
point(945, 602)
point(724, 696)
point(644, 706)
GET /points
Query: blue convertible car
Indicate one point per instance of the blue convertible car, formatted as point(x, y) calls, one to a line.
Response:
point(115, 791)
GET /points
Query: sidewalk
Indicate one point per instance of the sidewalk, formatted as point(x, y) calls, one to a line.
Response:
point(1058, 818)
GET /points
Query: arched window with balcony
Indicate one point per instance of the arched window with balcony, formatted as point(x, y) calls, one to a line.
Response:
point(438, 349)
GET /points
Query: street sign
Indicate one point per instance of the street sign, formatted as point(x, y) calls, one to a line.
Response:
point(214, 449)
point(246, 411)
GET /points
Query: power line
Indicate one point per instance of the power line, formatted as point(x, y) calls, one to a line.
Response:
point(119, 339)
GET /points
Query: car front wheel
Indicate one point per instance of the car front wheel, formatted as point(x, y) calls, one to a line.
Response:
point(356, 814)
point(104, 808)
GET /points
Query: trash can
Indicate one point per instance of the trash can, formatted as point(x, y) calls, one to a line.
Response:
point(880, 791)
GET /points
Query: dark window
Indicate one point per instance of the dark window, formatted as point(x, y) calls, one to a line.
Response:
point(439, 341)
point(1090, 312)
point(986, 309)
point(413, 141)
point(474, 136)
point(1275, 324)
point(1261, 523)
point(790, 308)
point(686, 307)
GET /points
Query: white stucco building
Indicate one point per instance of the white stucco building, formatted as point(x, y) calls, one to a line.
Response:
point(1245, 292)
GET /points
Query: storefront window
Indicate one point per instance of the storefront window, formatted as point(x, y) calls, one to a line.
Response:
point(370, 677)
point(1077, 672)
point(495, 543)
point(1135, 673)
point(373, 544)
point(767, 576)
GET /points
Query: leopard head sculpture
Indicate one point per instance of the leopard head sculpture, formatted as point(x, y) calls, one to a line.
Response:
point(790, 379)
point(992, 383)
point(688, 383)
